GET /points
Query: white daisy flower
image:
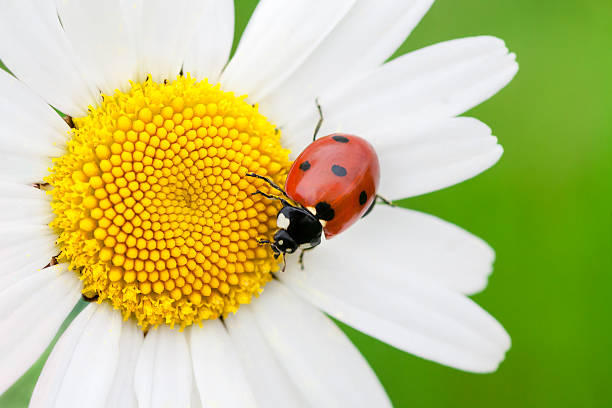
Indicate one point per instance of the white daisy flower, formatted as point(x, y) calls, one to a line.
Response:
point(151, 212)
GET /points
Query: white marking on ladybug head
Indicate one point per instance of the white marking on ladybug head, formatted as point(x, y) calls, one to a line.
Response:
point(323, 223)
point(281, 242)
point(282, 222)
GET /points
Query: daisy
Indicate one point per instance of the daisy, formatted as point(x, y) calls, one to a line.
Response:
point(139, 201)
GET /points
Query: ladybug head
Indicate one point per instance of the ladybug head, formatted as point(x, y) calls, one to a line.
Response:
point(297, 228)
point(283, 243)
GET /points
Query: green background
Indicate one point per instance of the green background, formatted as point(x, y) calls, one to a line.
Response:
point(545, 208)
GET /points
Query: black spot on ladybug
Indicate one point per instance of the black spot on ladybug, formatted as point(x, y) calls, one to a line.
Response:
point(363, 197)
point(305, 166)
point(324, 211)
point(340, 139)
point(338, 170)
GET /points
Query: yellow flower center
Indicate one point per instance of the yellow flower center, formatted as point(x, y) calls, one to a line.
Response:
point(153, 207)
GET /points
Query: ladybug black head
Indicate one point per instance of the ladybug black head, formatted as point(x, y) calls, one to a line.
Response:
point(298, 228)
point(283, 243)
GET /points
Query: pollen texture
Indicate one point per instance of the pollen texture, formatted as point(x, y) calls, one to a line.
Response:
point(153, 206)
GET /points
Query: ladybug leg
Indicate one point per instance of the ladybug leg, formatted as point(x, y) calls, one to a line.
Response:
point(384, 200)
point(320, 122)
point(301, 258)
point(270, 182)
point(277, 253)
point(268, 242)
point(369, 210)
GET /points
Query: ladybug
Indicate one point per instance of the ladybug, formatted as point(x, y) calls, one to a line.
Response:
point(333, 183)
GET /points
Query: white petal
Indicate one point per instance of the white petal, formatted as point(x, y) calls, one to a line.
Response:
point(278, 39)
point(419, 244)
point(445, 79)
point(37, 253)
point(163, 30)
point(23, 167)
point(80, 369)
point(25, 237)
point(439, 81)
point(27, 123)
point(22, 191)
point(365, 38)
point(34, 47)
point(163, 372)
point(132, 15)
point(211, 45)
point(16, 267)
point(25, 252)
point(269, 381)
point(32, 308)
point(25, 204)
point(405, 310)
point(100, 35)
point(213, 353)
point(24, 248)
point(122, 393)
point(420, 161)
point(317, 356)
point(195, 397)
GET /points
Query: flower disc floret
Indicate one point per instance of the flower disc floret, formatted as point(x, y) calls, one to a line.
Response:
point(153, 207)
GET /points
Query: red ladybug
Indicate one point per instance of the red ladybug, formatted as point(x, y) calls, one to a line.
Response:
point(335, 178)
point(333, 182)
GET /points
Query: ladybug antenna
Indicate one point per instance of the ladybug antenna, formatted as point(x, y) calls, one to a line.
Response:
point(320, 122)
point(270, 183)
point(272, 197)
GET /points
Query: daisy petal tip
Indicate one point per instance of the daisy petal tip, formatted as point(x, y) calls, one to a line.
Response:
point(495, 365)
point(490, 42)
point(484, 271)
point(515, 66)
point(497, 152)
point(494, 41)
point(512, 68)
point(490, 260)
point(486, 364)
point(508, 66)
point(504, 343)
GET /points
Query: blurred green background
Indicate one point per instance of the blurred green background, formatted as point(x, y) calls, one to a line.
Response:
point(545, 208)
